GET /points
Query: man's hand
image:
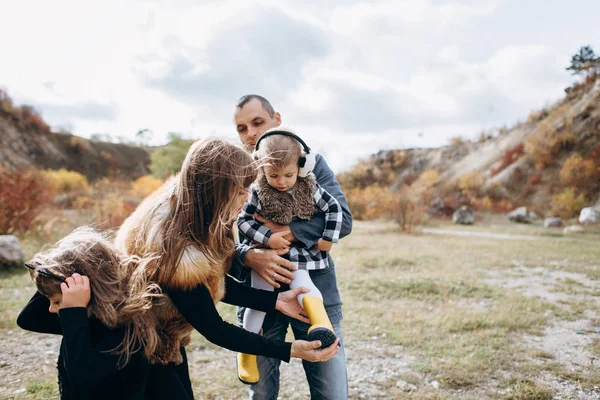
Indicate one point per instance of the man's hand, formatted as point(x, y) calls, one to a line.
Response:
point(324, 245)
point(278, 241)
point(75, 291)
point(273, 227)
point(270, 265)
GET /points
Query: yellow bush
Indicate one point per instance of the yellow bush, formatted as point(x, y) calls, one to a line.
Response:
point(567, 204)
point(577, 172)
point(371, 202)
point(552, 134)
point(471, 182)
point(63, 181)
point(145, 185)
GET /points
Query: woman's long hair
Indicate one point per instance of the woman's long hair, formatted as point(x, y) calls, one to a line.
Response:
point(201, 200)
point(118, 298)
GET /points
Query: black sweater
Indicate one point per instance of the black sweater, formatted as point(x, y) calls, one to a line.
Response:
point(86, 368)
point(198, 308)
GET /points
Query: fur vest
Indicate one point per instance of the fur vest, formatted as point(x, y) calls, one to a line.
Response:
point(282, 207)
point(193, 269)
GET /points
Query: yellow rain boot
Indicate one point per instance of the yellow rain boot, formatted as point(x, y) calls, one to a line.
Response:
point(247, 368)
point(320, 326)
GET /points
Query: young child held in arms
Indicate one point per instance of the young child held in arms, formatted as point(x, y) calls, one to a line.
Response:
point(287, 189)
point(87, 294)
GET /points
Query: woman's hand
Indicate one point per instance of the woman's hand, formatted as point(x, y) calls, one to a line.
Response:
point(308, 350)
point(287, 303)
point(75, 291)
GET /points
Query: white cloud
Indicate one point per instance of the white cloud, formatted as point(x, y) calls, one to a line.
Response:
point(368, 75)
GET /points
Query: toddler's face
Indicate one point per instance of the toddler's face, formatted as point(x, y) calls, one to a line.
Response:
point(55, 303)
point(282, 179)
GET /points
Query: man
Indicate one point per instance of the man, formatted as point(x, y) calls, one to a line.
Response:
point(253, 116)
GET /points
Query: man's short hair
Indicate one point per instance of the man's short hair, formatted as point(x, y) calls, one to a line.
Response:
point(265, 103)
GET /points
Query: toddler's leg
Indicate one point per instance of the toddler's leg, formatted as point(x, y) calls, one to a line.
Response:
point(312, 302)
point(253, 320)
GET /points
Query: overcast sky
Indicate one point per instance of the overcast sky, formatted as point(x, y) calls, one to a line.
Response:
point(351, 77)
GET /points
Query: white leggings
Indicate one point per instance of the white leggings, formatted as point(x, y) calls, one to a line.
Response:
point(253, 319)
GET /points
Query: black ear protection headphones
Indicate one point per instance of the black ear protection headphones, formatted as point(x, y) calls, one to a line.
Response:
point(306, 163)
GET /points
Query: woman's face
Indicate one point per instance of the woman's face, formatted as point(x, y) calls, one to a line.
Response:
point(240, 196)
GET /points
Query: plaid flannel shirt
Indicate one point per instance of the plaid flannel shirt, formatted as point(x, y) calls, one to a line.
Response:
point(304, 259)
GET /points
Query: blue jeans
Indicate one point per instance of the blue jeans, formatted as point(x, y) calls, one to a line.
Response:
point(327, 380)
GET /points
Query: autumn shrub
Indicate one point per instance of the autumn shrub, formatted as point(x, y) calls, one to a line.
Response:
point(406, 210)
point(23, 197)
point(567, 203)
point(110, 204)
point(62, 181)
point(371, 202)
point(552, 134)
point(145, 185)
point(579, 173)
point(471, 182)
point(509, 157)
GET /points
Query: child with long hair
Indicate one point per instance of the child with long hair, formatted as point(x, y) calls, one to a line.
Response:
point(189, 224)
point(103, 314)
point(286, 189)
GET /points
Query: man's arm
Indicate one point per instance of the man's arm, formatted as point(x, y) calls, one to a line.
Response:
point(309, 232)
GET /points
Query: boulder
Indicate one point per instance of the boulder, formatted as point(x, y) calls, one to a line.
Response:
point(589, 216)
point(521, 215)
point(553, 222)
point(573, 230)
point(11, 252)
point(464, 216)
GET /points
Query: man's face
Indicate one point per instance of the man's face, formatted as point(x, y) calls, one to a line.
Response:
point(253, 120)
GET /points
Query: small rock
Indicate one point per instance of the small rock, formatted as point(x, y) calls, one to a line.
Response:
point(521, 215)
point(405, 386)
point(573, 229)
point(553, 222)
point(589, 216)
point(435, 385)
point(11, 252)
point(464, 216)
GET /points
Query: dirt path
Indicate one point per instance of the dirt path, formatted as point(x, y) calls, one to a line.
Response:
point(567, 342)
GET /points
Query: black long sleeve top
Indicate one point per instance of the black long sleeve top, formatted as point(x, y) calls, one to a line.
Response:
point(86, 367)
point(198, 307)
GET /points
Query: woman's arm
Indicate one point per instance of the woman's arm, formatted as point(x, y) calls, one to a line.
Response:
point(198, 308)
point(36, 316)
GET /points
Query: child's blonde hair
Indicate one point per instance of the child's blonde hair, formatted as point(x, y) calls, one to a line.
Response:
point(278, 151)
point(118, 298)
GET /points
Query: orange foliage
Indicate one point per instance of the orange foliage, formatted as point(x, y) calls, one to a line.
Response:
point(406, 210)
point(371, 202)
point(567, 204)
point(145, 185)
point(509, 157)
point(579, 173)
point(23, 196)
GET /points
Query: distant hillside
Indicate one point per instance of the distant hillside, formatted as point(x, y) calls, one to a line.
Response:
point(524, 165)
point(26, 141)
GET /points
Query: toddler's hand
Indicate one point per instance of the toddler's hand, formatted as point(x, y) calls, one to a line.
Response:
point(75, 291)
point(277, 240)
point(324, 245)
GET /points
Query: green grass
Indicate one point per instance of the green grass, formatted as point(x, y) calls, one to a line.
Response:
point(427, 295)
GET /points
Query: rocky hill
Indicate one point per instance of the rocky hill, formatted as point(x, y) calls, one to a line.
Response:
point(27, 142)
point(524, 165)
